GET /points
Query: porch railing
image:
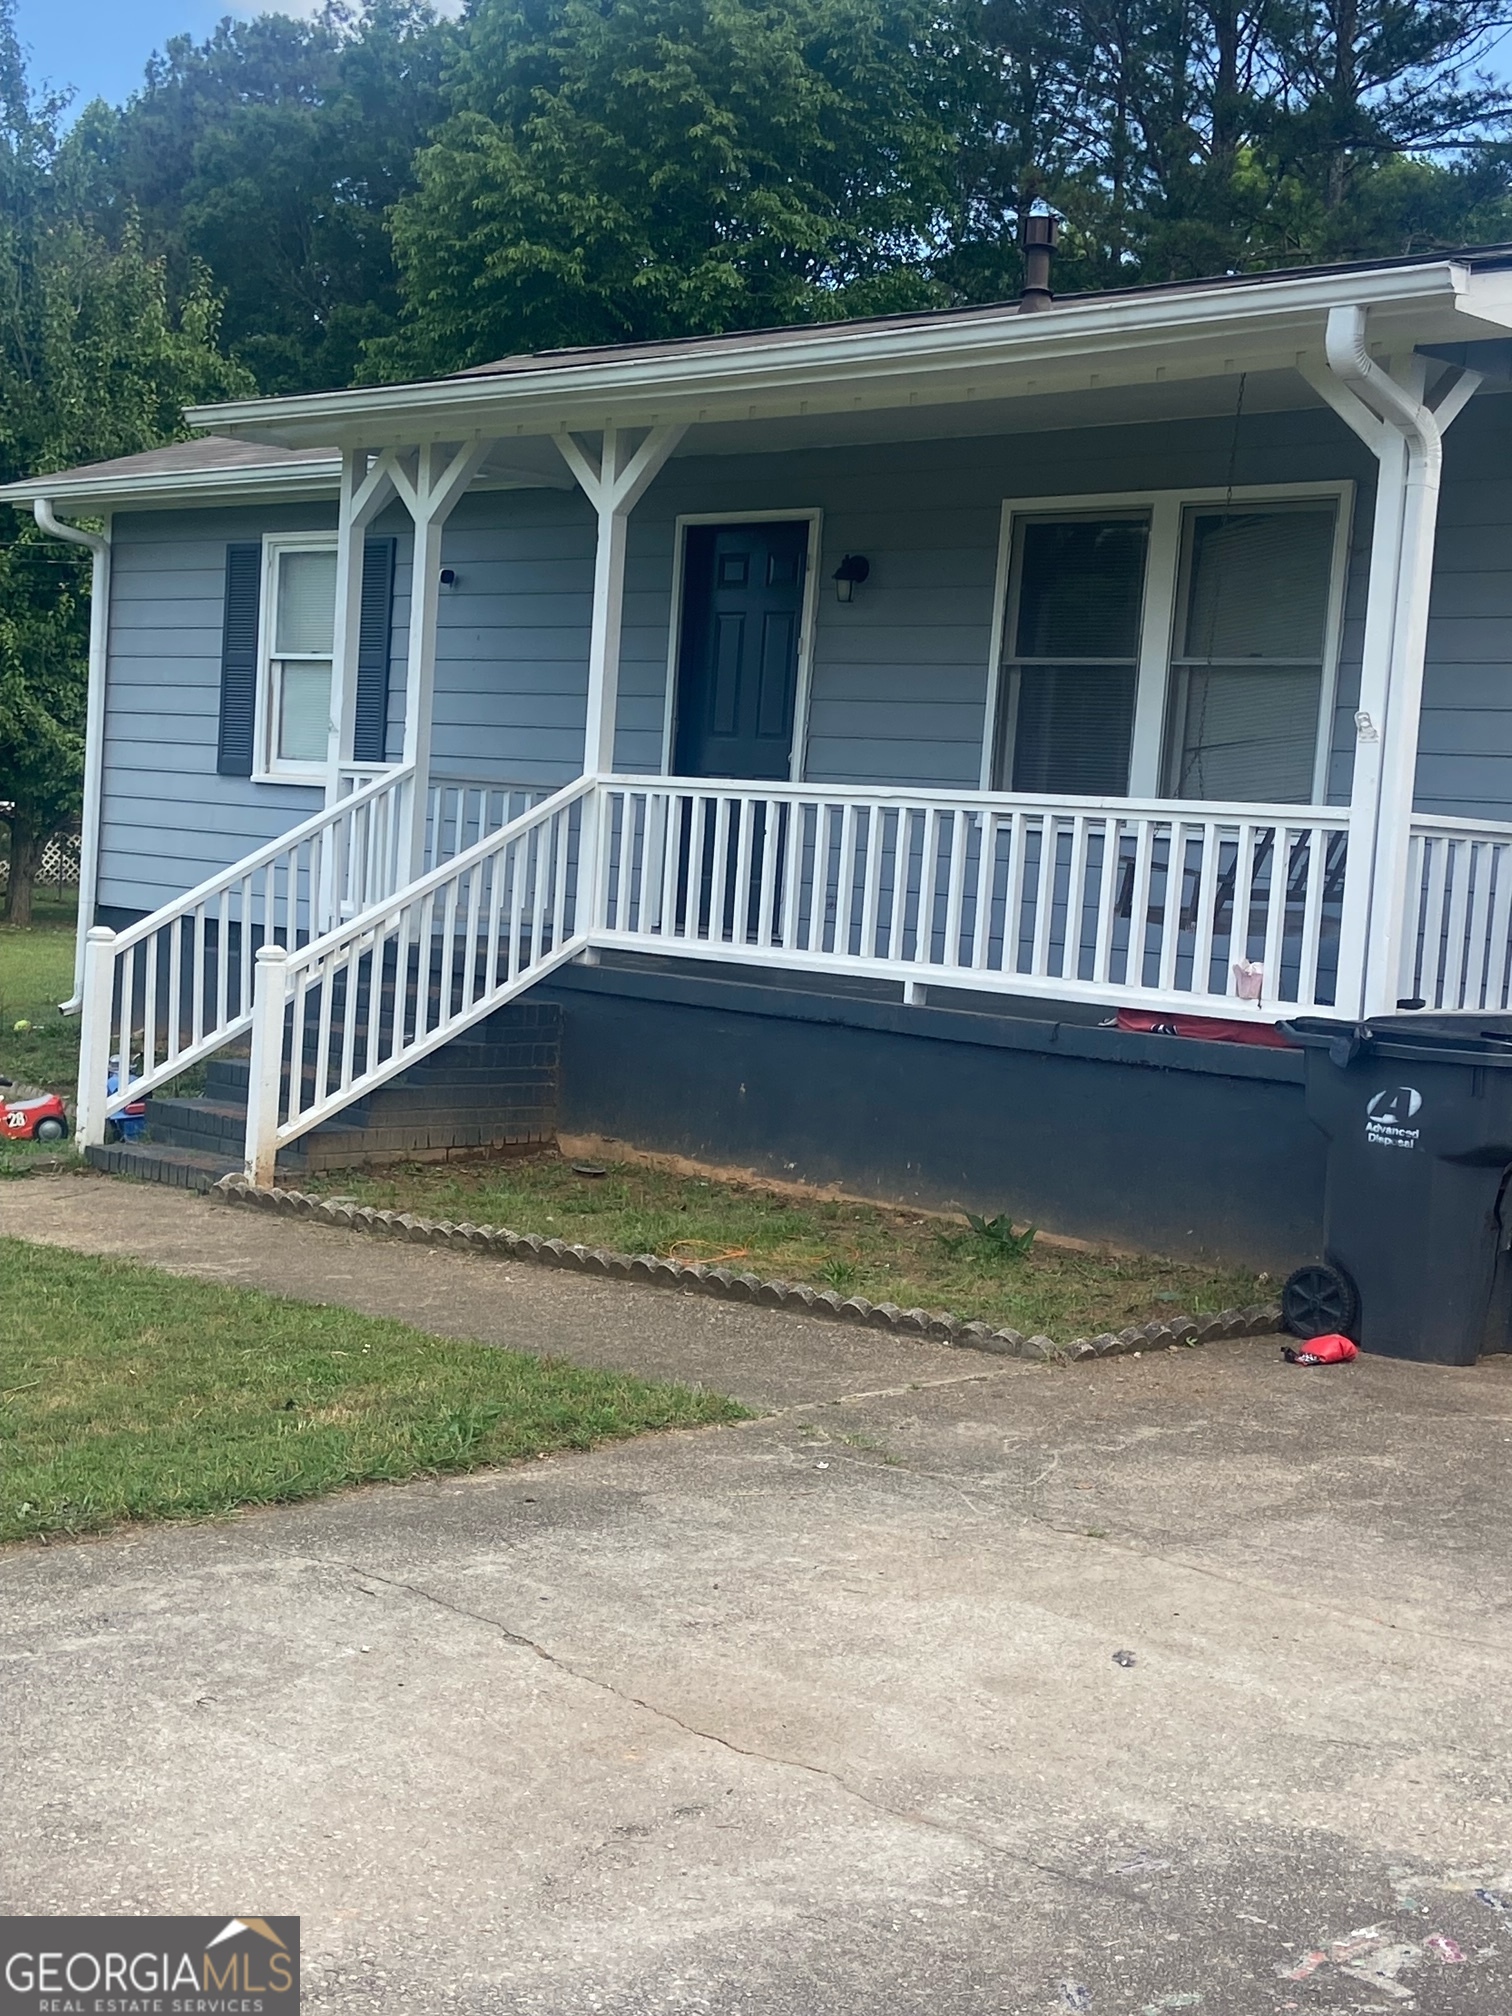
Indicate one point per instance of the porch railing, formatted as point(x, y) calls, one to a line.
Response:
point(1457, 955)
point(1217, 908)
point(169, 991)
point(349, 1010)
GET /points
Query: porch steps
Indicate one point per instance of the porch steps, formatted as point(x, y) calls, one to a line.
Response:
point(493, 1087)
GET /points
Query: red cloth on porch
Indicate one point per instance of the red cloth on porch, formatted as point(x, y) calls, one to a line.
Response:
point(1205, 1028)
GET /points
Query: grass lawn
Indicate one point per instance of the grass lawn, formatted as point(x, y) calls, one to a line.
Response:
point(36, 973)
point(888, 1255)
point(126, 1393)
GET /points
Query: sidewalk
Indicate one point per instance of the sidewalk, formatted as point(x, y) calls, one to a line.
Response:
point(760, 1356)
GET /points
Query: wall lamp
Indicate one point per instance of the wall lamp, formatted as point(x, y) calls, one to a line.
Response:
point(854, 568)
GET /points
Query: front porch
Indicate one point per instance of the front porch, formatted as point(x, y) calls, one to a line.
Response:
point(1143, 647)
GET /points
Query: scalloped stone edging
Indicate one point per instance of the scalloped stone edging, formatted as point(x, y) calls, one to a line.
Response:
point(699, 1279)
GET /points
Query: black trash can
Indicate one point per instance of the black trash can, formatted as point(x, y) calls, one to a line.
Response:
point(1418, 1114)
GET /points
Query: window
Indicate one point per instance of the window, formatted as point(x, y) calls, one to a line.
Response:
point(299, 614)
point(1169, 645)
point(1074, 667)
point(1247, 676)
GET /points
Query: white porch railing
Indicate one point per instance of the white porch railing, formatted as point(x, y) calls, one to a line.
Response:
point(1208, 908)
point(1457, 948)
point(1230, 910)
point(168, 991)
point(351, 1009)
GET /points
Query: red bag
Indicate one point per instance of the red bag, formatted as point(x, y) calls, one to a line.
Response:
point(1330, 1350)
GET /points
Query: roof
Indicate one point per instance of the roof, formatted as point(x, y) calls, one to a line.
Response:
point(1138, 335)
point(210, 461)
point(1478, 259)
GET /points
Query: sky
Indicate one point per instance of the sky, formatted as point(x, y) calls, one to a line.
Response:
point(100, 47)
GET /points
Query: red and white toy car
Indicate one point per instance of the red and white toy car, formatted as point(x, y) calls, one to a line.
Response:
point(39, 1119)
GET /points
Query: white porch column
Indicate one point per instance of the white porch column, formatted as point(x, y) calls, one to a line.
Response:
point(1406, 436)
point(430, 485)
point(365, 490)
point(614, 485)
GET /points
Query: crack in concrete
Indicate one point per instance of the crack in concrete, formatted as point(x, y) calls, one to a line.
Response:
point(907, 1816)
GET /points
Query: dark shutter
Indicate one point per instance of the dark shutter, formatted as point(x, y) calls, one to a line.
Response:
point(370, 731)
point(238, 702)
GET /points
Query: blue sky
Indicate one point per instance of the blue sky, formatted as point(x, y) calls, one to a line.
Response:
point(100, 46)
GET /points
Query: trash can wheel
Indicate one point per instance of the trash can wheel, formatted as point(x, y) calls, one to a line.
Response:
point(1318, 1300)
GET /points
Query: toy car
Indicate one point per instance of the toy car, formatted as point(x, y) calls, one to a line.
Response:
point(39, 1119)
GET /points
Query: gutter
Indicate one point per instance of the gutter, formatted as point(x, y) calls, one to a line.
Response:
point(94, 724)
point(765, 363)
point(1406, 436)
point(305, 478)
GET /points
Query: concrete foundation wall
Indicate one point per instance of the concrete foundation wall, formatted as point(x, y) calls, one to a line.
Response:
point(1187, 1149)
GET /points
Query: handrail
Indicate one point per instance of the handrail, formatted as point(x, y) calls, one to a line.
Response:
point(175, 987)
point(438, 877)
point(1335, 818)
point(249, 864)
point(344, 1013)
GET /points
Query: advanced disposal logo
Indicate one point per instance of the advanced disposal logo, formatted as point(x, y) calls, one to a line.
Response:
point(1389, 1117)
point(149, 1966)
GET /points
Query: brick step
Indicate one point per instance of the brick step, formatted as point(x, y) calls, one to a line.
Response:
point(162, 1162)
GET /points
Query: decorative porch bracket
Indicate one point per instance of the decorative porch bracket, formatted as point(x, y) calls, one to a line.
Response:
point(613, 484)
point(429, 482)
point(1405, 434)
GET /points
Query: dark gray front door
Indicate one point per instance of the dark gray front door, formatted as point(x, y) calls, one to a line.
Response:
point(737, 675)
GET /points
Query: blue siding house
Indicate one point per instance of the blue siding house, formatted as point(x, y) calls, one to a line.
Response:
point(860, 743)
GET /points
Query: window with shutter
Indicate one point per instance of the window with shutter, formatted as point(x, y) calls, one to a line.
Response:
point(370, 730)
point(239, 626)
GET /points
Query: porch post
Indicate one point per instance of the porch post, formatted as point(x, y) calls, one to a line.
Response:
point(430, 488)
point(613, 485)
point(1406, 436)
point(364, 492)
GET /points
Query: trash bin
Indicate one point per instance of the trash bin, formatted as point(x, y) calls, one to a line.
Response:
point(1417, 1216)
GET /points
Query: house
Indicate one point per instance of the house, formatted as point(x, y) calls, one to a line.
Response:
point(827, 731)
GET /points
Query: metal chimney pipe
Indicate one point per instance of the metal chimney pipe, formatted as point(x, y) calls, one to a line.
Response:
point(1041, 235)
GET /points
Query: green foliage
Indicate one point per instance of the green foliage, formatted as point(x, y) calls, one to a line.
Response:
point(662, 168)
point(93, 363)
point(270, 154)
point(998, 1237)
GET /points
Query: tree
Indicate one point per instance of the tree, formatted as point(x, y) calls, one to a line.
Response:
point(271, 154)
point(658, 168)
point(92, 364)
point(1180, 140)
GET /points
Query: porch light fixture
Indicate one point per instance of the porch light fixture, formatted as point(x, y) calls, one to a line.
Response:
point(854, 568)
point(448, 577)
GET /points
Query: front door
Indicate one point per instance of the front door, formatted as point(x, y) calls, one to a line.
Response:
point(737, 677)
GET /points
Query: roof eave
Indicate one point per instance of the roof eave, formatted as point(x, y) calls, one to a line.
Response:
point(306, 478)
point(840, 365)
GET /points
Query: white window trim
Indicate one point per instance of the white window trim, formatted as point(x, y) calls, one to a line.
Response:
point(267, 769)
point(813, 517)
point(1157, 623)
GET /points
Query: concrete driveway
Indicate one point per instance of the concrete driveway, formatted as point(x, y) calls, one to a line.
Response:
point(817, 1714)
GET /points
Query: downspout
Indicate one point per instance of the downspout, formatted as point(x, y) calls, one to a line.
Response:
point(94, 724)
point(1391, 701)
